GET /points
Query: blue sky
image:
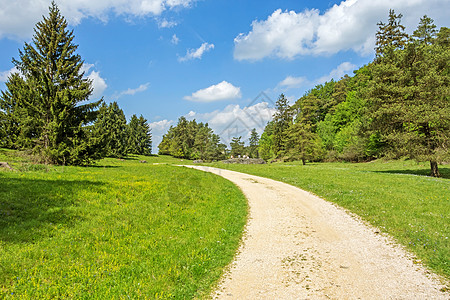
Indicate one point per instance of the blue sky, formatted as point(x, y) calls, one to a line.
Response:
point(224, 62)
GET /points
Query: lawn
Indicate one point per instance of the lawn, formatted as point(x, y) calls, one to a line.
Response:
point(120, 229)
point(396, 196)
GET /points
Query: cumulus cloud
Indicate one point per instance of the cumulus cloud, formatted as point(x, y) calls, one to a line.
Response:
point(293, 82)
point(234, 121)
point(18, 17)
point(98, 83)
point(337, 73)
point(217, 92)
point(159, 128)
point(131, 92)
point(350, 25)
point(5, 74)
point(196, 53)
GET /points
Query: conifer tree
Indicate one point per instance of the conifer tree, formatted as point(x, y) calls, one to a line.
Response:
point(43, 103)
point(139, 136)
point(237, 146)
point(253, 144)
point(391, 35)
point(111, 129)
point(409, 97)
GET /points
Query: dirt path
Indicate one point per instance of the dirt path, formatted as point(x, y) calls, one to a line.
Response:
point(298, 246)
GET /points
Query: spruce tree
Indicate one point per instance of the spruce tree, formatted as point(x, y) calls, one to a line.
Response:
point(139, 136)
point(43, 103)
point(253, 143)
point(111, 129)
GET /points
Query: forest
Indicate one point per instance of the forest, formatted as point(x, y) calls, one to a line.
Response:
point(397, 106)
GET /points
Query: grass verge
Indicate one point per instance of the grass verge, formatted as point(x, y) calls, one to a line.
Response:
point(396, 197)
point(121, 229)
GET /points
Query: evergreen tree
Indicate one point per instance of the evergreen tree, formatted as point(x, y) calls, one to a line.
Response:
point(237, 146)
point(281, 121)
point(111, 129)
point(192, 140)
point(139, 136)
point(302, 144)
point(43, 103)
point(410, 98)
point(390, 36)
point(253, 144)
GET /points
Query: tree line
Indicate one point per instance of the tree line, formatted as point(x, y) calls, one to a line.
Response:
point(396, 106)
point(46, 109)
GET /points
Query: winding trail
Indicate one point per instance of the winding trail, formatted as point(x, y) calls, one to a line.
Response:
point(298, 246)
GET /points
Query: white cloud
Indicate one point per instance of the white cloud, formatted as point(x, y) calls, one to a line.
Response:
point(220, 91)
point(175, 40)
point(18, 17)
point(293, 82)
point(234, 121)
point(98, 83)
point(5, 74)
point(350, 25)
point(196, 53)
point(158, 130)
point(337, 73)
point(131, 92)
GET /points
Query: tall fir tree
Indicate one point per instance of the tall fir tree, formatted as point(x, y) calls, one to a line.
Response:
point(43, 102)
point(253, 144)
point(111, 129)
point(139, 136)
point(281, 121)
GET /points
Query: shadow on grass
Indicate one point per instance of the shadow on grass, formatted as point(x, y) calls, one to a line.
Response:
point(30, 209)
point(444, 171)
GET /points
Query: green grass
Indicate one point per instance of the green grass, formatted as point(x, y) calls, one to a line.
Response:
point(121, 229)
point(396, 197)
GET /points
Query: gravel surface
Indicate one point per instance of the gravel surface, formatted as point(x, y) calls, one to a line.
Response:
point(298, 246)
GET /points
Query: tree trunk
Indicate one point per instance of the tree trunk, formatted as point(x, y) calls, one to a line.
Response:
point(434, 169)
point(303, 161)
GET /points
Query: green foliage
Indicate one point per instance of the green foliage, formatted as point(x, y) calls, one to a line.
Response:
point(121, 229)
point(410, 97)
point(281, 122)
point(253, 144)
point(237, 146)
point(139, 136)
point(397, 197)
point(42, 103)
point(192, 140)
point(265, 148)
point(111, 130)
point(302, 144)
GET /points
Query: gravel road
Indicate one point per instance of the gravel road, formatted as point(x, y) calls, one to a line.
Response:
point(298, 246)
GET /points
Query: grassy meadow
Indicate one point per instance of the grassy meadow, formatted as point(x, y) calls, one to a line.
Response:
point(396, 196)
point(120, 229)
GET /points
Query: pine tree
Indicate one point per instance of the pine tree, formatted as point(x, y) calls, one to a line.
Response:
point(390, 36)
point(410, 98)
point(45, 99)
